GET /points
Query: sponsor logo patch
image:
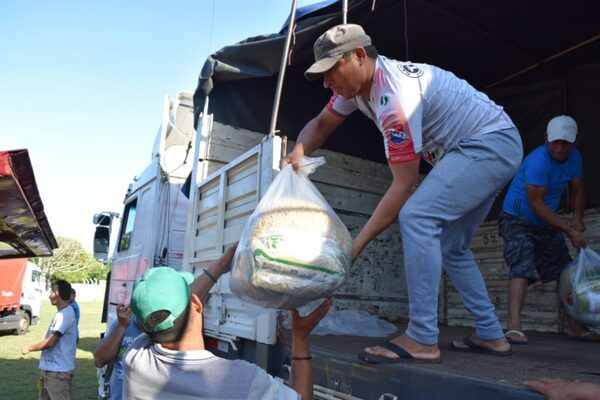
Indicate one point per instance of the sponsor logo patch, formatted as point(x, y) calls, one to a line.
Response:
point(411, 70)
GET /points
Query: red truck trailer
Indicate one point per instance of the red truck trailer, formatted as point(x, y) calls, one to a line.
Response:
point(21, 291)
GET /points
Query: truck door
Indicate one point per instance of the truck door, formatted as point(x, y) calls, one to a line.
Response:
point(133, 251)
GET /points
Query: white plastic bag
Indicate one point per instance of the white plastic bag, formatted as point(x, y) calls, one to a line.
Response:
point(346, 322)
point(586, 282)
point(580, 288)
point(294, 248)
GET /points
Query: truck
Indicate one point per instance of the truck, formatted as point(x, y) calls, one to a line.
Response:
point(216, 153)
point(22, 286)
point(160, 226)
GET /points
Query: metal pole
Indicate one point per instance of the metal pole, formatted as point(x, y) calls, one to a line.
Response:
point(345, 12)
point(282, 66)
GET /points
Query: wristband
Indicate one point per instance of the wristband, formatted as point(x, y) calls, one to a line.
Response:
point(302, 358)
point(212, 278)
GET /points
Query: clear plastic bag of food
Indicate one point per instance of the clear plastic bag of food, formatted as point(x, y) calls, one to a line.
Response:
point(580, 288)
point(294, 248)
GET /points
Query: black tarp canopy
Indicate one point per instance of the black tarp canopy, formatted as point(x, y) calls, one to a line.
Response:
point(537, 58)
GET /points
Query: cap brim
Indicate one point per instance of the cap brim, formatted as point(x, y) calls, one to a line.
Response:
point(318, 68)
point(567, 137)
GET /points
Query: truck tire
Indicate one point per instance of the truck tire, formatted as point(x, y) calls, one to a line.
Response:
point(23, 324)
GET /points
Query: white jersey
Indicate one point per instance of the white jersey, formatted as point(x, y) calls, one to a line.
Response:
point(422, 110)
point(61, 356)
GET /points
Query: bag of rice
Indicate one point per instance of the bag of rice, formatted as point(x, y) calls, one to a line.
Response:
point(294, 248)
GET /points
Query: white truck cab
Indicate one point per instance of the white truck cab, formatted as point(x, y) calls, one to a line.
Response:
point(152, 226)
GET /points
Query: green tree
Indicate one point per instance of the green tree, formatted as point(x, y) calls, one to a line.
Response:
point(70, 261)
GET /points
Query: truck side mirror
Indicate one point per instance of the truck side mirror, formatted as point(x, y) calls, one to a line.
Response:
point(101, 243)
point(103, 222)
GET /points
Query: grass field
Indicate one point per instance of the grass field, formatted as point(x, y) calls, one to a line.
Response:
point(18, 373)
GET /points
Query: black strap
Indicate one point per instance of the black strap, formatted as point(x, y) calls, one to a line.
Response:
point(212, 278)
point(394, 348)
point(302, 358)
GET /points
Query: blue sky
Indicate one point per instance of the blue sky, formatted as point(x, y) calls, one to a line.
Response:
point(82, 86)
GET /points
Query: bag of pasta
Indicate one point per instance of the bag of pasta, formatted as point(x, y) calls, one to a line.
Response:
point(294, 248)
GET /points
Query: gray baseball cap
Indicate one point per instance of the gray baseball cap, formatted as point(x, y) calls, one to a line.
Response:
point(332, 45)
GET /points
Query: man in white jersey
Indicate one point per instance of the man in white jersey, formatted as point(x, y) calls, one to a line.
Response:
point(422, 112)
point(57, 361)
point(170, 361)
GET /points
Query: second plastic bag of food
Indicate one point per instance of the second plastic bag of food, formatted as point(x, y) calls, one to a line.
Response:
point(580, 288)
point(294, 248)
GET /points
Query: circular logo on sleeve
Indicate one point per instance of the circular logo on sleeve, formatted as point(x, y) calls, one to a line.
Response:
point(410, 70)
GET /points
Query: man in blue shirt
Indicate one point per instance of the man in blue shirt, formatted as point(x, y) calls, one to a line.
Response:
point(75, 308)
point(113, 346)
point(74, 305)
point(534, 246)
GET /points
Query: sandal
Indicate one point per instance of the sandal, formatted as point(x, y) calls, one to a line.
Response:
point(473, 347)
point(522, 339)
point(403, 356)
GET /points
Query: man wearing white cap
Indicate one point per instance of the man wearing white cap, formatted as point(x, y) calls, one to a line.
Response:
point(422, 112)
point(534, 247)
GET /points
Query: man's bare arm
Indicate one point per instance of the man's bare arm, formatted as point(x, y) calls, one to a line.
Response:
point(312, 136)
point(204, 282)
point(107, 348)
point(535, 197)
point(301, 379)
point(577, 203)
point(405, 179)
point(50, 341)
point(557, 389)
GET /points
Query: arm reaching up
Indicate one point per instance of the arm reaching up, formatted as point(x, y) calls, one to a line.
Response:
point(203, 283)
point(107, 348)
point(301, 378)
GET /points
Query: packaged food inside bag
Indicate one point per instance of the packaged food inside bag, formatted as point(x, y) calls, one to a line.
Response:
point(580, 288)
point(586, 282)
point(294, 248)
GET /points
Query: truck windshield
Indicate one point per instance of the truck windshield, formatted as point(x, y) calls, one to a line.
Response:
point(36, 276)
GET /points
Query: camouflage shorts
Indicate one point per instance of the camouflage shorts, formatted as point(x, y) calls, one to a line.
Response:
point(532, 252)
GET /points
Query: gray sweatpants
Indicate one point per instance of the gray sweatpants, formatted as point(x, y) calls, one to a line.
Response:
point(438, 223)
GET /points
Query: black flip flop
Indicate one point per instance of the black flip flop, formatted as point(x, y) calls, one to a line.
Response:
point(403, 356)
point(589, 336)
point(473, 347)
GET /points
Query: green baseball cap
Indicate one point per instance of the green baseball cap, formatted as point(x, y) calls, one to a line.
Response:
point(161, 288)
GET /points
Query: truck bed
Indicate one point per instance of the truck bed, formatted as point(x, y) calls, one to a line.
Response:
point(459, 375)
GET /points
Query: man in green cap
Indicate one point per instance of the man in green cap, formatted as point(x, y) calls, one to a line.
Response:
point(171, 362)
